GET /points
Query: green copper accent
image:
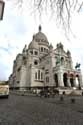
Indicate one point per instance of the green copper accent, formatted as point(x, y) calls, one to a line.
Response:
point(58, 60)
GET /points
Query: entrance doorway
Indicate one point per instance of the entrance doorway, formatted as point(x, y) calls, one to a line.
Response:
point(72, 80)
point(56, 79)
point(65, 79)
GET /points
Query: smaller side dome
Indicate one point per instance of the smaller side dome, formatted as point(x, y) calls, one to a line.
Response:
point(68, 53)
point(60, 45)
point(33, 44)
point(50, 46)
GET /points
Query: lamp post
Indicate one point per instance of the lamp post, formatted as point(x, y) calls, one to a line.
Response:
point(2, 4)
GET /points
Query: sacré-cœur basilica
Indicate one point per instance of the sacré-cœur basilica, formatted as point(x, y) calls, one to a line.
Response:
point(39, 65)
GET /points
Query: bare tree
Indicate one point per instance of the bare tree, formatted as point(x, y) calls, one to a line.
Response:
point(61, 9)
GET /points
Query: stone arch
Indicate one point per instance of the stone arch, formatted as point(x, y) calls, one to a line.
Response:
point(56, 79)
point(72, 80)
point(65, 79)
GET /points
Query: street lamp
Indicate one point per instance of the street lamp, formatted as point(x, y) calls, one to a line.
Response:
point(2, 4)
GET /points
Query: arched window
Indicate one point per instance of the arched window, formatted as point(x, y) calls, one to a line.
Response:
point(38, 74)
point(31, 52)
point(47, 79)
point(36, 53)
point(35, 62)
point(41, 49)
point(44, 49)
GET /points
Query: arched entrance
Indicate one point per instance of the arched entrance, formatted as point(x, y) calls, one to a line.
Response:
point(56, 79)
point(65, 79)
point(72, 80)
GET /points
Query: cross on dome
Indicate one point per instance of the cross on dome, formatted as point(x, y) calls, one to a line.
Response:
point(40, 28)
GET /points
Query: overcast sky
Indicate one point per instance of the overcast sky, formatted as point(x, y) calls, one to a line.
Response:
point(18, 27)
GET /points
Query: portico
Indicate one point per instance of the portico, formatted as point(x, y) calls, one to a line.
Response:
point(66, 78)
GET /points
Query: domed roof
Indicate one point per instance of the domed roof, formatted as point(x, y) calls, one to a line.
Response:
point(51, 46)
point(41, 36)
point(33, 44)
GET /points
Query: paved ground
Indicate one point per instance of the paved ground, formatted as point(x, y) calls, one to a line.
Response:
point(28, 110)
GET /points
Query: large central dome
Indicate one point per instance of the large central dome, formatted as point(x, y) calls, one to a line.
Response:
point(41, 37)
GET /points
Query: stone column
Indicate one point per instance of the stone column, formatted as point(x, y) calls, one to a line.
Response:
point(60, 79)
point(68, 81)
point(74, 80)
point(80, 80)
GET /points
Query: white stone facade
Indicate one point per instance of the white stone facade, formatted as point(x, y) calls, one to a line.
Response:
point(40, 65)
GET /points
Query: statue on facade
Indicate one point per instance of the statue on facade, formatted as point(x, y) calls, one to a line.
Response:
point(77, 66)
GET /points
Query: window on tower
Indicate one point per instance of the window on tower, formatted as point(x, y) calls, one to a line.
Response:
point(31, 52)
point(36, 53)
point(47, 79)
point(36, 62)
point(44, 49)
point(41, 49)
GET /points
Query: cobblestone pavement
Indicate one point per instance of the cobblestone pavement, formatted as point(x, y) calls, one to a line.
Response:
point(28, 110)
